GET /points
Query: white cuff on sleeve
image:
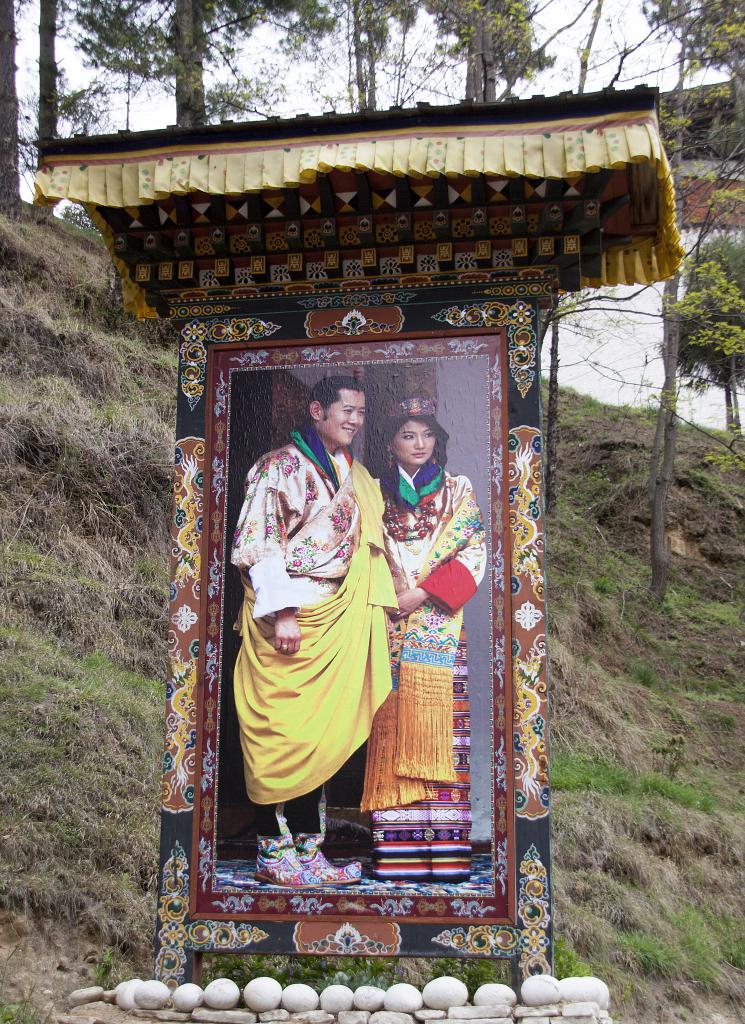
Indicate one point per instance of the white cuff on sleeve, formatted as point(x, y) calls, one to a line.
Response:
point(273, 587)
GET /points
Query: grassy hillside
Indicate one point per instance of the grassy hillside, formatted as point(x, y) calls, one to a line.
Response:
point(648, 702)
point(648, 715)
point(85, 445)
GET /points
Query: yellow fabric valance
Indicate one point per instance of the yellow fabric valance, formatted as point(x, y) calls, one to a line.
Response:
point(557, 148)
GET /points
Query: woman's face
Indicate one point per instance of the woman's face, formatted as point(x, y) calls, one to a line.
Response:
point(413, 445)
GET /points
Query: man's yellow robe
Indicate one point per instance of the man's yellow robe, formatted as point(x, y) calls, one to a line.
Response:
point(302, 716)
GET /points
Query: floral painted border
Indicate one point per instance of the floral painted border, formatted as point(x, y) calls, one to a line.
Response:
point(380, 938)
point(534, 914)
point(531, 941)
point(176, 935)
point(196, 335)
point(530, 739)
point(183, 634)
point(519, 319)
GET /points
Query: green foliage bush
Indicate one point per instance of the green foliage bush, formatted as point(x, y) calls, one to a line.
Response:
point(577, 771)
point(678, 792)
point(651, 954)
point(318, 972)
point(567, 964)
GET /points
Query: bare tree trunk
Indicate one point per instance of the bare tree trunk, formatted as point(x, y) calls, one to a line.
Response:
point(474, 89)
point(128, 95)
point(552, 420)
point(10, 199)
point(728, 417)
point(189, 48)
point(662, 463)
point(481, 68)
point(359, 61)
point(48, 97)
point(586, 51)
point(736, 426)
point(372, 98)
point(488, 61)
point(667, 419)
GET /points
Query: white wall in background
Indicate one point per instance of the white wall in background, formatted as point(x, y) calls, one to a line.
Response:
point(611, 351)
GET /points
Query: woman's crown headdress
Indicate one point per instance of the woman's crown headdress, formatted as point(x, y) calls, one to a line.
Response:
point(417, 405)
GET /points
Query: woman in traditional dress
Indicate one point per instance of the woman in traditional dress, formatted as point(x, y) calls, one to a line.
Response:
point(417, 781)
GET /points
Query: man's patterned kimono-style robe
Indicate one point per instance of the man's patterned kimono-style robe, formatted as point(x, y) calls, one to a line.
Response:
point(301, 544)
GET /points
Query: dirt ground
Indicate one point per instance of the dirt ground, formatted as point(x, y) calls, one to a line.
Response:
point(44, 963)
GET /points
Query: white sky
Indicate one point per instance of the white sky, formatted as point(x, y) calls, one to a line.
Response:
point(623, 25)
point(614, 357)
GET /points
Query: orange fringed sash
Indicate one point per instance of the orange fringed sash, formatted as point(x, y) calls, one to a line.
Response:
point(411, 743)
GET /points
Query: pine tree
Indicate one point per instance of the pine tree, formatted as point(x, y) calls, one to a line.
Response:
point(712, 317)
point(175, 43)
point(48, 75)
point(10, 199)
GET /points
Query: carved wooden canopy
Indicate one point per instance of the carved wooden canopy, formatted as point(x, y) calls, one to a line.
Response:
point(578, 185)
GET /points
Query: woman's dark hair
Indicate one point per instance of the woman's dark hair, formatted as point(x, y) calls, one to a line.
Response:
point(392, 426)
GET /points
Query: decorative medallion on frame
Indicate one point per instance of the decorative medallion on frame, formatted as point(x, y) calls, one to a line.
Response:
point(377, 938)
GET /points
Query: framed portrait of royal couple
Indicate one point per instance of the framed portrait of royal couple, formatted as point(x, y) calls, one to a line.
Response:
point(367, 746)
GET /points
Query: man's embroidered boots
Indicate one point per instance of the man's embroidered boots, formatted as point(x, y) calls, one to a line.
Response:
point(277, 863)
point(308, 848)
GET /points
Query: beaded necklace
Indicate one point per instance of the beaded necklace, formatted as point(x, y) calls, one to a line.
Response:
point(398, 520)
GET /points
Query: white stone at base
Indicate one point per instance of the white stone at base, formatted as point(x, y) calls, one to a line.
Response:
point(210, 1016)
point(493, 994)
point(369, 997)
point(125, 993)
point(584, 1009)
point(81, 996)
point(584, 990)
point(187, 997)
point(484, 1020)
point(391, 1017)
point(403, 998)
point(299, 998)
point(445, 993)
point(222, 994)
point(540, 990)
point(336, 998)
point(164, 1015)
point(151, 995)
point(604, 1000)
point(262, 995)
point(502, 1009)
point(354, 1017)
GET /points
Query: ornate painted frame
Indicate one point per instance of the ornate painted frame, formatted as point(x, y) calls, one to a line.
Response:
point(488, 315)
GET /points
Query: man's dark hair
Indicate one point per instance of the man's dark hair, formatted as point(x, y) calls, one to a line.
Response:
point(327, 390)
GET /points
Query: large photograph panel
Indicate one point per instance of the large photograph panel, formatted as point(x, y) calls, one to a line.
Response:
point(408, 793)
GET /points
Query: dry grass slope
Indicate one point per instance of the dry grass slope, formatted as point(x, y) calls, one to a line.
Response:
point(85, 450)
point(648, 716)
point(648, 702)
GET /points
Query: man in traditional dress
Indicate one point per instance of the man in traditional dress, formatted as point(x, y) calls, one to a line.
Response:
point(313, 666)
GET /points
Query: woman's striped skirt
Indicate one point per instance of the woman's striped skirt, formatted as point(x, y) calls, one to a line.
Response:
point(431, 840)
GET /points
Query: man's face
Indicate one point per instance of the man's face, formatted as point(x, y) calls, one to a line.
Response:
point(337, 425)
